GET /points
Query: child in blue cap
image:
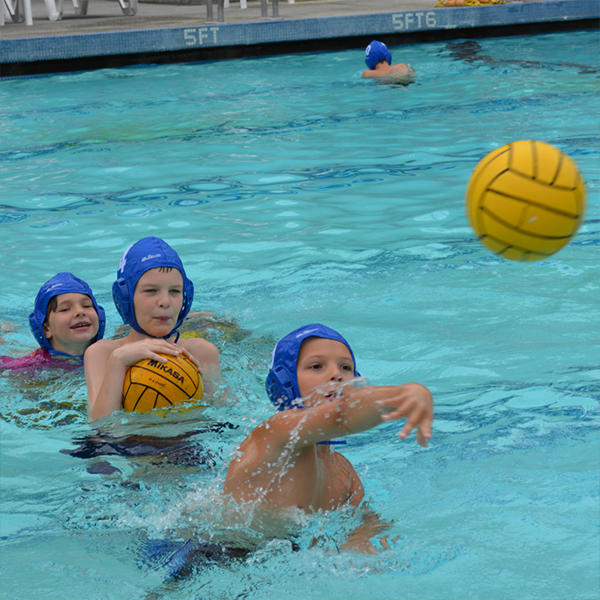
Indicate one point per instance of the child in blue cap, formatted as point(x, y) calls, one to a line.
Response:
point(153, 295)
point(288, 460)
point(65, 321)
point(379, 61)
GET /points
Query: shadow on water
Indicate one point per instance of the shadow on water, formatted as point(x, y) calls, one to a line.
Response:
point(470, 52)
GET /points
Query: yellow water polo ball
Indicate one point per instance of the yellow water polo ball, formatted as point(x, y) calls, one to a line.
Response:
point(152, 384)
point(526, 200)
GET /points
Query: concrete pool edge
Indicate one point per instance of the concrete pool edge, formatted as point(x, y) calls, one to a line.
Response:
point(58, 53)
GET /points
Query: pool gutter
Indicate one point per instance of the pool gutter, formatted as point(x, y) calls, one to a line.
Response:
point(213, 41)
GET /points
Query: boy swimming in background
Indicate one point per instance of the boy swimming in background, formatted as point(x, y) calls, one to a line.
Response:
point(379, 61)
point(288, 461)
point(65, 321)
point(153, 295)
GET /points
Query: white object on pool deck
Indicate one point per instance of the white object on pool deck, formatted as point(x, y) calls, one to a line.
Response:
point(243, 4)
point(54, 8)
point(17, 10)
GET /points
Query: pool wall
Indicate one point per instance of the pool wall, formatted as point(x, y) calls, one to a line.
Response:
point(56, 53)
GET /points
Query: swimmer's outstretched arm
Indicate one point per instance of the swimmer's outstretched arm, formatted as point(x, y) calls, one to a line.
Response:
point(364, 408)
point(357, 410)
point(106, 363)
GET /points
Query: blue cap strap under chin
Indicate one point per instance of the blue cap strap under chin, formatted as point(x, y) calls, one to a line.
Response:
point(56, 353)
point(148, 253)
point(61, 283)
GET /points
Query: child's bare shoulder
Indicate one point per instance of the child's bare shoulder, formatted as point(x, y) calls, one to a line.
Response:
point(343, 480)
point(202, 349)
point(104, 347)
point(195, 342)
point(342, 465)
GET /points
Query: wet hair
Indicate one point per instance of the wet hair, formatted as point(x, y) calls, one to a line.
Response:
point(52, 306)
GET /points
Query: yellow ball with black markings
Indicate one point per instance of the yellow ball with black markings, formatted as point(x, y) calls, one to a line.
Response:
point(526, 200)
point(151, 384)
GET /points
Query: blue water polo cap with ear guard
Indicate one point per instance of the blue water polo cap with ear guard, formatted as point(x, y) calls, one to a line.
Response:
point(282, 380)
point(61, 283)
point(375, 52)
point(148, 253)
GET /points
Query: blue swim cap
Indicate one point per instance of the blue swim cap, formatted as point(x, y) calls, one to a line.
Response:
point(375, 52)
point(61, 283)
point(148, 253)
point(282, 380)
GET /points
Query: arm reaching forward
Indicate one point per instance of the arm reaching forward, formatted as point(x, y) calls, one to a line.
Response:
point(357, 410)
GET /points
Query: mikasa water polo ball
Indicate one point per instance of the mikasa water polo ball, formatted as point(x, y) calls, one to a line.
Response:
point(526, 200)
point(152, 384)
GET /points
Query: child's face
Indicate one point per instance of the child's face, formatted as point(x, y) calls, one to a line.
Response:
point(73, 325)
point(321, 361)
point(157, 301)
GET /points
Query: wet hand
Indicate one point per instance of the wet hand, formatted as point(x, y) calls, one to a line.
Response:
point(415, 404)
point(192, 359)
point(130, 354)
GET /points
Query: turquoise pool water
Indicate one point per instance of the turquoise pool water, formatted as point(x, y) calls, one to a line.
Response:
point(296, 192)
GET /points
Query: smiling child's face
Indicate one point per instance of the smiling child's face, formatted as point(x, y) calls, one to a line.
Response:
point(321, 361)
point(72, 326)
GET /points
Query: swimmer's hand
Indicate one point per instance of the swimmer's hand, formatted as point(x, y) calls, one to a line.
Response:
point(192, 358)
point(414, 403)
point(372, 526)
point(130, 354)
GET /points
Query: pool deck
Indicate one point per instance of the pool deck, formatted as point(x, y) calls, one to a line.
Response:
point(173, 32)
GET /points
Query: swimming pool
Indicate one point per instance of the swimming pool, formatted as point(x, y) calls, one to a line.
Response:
point(296, 192)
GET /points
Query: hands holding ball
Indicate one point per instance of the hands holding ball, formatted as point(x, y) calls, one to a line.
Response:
point(152, 384)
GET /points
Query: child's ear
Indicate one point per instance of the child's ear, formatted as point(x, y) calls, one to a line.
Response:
point(47, 331)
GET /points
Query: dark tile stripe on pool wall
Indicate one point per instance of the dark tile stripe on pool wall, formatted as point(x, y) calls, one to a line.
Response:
point(213, 36)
